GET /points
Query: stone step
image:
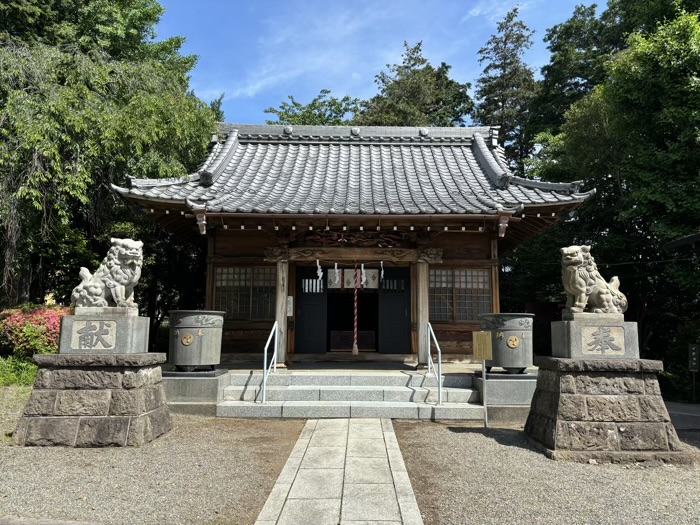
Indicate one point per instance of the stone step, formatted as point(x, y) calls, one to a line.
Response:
point(351, 409)
point(350, 393)
point(404, 379)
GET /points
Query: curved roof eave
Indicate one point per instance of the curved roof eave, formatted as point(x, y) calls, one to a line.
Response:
point(249, 174)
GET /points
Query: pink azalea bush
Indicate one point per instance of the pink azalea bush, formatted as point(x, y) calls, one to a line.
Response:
point(31, 330)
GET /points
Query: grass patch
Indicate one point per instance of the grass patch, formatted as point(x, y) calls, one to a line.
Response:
point(12, 401)
point(17, 372)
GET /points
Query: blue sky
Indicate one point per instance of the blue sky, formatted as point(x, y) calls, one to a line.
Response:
point(258, 52)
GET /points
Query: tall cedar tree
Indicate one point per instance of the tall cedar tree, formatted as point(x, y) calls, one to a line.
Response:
point(414, 93)
point(215, 106)
point(506, 87)
point(582, 45)
point(87, 97)
point(578, 55)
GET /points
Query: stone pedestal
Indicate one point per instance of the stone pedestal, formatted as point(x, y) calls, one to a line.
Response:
point(506, 389)
point(108, 330)
point(95, 401)
point(595, 336)
point(608, 410)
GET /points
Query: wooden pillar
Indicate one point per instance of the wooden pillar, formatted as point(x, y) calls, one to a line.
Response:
point(211, 271)
point(426, 257)
point(281, 309)
point(280, 256)
point(495, 288)
point(423, 307)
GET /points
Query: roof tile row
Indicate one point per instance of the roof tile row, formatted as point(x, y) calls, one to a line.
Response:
point(262, 169)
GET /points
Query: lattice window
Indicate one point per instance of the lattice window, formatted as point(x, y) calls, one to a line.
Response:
point(394, 285)
point(245, 293)
point(312, 285)
point(458, 294)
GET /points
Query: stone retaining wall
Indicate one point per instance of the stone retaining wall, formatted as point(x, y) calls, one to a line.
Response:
point(95, 401)
point(608, 410)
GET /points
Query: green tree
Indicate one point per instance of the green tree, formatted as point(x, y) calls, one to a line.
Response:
point(323, 110)
point(215, 106)
point(634, 138)
point(414, 93)
point(85, 99)
point(654, 94)
point(506, 87)
point(582, 45)
point(575, 67)
point(623, 18)
point(122, 30)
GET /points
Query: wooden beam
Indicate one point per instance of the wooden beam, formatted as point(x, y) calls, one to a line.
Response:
point(353, 254)
point(470, 263)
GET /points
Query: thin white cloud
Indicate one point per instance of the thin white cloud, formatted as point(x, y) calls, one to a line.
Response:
point(494, 11)
point(325, 43)
point(261, 81)
point(298, 47)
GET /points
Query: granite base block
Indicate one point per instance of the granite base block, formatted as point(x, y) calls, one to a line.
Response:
point(602, 410)
point(95, 401)
point(197, 389)
point(508, 416)
point(618, 457)
point(595, 337)
point(506, 389)
point(104, 332)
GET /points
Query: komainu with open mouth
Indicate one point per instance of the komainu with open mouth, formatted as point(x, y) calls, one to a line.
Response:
point(114, 281)
point(586, 290)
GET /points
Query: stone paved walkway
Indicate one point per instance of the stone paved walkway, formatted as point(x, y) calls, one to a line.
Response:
point(347, 471)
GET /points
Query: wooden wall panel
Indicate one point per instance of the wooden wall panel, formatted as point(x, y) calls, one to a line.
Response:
point(243, 341)
point(458, 245)
point(463, 348)
point(242, 243)
point(455, 338)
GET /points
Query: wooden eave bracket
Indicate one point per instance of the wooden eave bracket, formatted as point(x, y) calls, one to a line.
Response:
point(502, 225)
point(430, 255)
point(200, 213)
point(276, 254)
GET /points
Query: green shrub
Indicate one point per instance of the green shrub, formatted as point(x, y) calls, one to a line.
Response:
point(30, 329)
point(15, 371)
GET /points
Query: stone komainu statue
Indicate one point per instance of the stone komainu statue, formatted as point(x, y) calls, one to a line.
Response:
point(586, 290)
point(114, 281)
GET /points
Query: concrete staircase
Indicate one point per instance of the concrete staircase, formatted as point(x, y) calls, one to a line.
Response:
point(342, 394)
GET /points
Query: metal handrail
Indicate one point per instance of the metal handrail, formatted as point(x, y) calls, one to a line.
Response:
point(431, 364)
point(273, 361)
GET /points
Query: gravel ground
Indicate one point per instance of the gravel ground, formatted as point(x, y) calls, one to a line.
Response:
point(206, 471)
point(463, 474)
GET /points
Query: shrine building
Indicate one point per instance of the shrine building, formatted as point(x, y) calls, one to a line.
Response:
point(354, 235)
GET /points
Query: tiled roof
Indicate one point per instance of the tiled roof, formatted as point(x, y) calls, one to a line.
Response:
point(343, 170)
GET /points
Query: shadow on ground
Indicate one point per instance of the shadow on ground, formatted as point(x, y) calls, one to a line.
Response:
point(690, 437)
point(508, 437)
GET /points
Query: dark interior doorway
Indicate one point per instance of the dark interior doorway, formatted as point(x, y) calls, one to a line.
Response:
point(311, 309)
point(325, 317)
point(341, 319)
point(394, 312)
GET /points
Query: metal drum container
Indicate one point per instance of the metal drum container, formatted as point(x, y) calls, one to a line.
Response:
point(511, 337)
point(195, 338)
